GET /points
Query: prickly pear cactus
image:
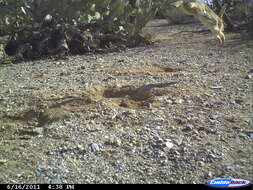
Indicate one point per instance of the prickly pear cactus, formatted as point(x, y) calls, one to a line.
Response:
point(103, 20)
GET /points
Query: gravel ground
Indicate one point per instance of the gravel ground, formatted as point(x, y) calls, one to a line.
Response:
point(116, 118)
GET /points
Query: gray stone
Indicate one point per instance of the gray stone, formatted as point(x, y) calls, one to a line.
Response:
point(95, 147)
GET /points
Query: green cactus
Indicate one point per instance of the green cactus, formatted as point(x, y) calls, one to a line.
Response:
point(19, 19)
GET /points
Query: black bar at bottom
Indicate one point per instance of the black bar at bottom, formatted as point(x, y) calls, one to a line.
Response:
point(80, 186)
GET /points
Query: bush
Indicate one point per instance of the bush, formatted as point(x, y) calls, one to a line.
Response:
point(73, 24)
point(175, 15)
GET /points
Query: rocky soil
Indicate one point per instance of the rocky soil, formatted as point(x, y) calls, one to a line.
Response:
point(179, 111)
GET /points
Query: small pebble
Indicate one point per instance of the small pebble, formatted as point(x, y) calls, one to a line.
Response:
point(95, 147)
point(209, 175)
point(169, 145)
point(178, 101)
point(249, 76)
point(250, 134)
point(18, 175)
point(154, 131)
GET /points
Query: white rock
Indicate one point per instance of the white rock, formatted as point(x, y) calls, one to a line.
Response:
point(179, 101)
point(95, 147)
point(169, 145)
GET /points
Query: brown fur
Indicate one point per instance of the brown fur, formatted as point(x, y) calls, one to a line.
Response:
point(206, 15)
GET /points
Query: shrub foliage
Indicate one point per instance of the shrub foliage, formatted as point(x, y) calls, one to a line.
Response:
point(51, 27)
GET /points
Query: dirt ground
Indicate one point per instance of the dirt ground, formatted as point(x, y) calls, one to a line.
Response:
point(179, 111)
